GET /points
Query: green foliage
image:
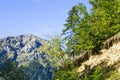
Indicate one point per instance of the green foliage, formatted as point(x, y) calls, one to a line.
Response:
point(9, 71)
point(56, 51)
point(73, 22)
point(115, 75)
point(60, 60)
point(19, 74)
point(63, 74)
point(86, 31)
point(36, 71)
point(99, 72)
point(7, 68)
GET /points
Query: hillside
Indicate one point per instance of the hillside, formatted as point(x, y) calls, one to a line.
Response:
point(108, 58)
point(25, 50)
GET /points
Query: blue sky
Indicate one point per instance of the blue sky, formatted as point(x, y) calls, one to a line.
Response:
point(38, 17)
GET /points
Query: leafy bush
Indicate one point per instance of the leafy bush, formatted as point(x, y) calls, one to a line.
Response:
point(115, 75)
point(99, 72)
point(66, 75)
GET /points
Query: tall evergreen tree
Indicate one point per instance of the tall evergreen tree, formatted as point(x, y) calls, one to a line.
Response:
point(88, 31)
point(72, 24)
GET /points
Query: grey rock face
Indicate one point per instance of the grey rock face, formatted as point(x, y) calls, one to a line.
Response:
point(22, 48)
point(25, 50)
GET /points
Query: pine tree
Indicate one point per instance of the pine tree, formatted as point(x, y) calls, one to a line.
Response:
point(86, 32)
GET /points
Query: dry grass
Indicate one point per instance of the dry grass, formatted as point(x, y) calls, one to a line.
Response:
point(111, 56)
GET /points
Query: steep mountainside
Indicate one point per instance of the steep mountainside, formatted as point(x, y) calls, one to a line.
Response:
point(106, 64)
point(110, 56)
point(24, 49)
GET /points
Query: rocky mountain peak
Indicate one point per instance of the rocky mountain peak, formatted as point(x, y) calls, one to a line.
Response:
point(22, 48)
